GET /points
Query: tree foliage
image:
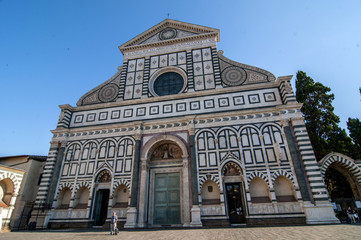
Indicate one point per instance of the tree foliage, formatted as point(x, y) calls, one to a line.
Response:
point(354, 127)
point(321, 122)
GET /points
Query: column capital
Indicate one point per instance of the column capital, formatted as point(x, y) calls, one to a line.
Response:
point(139, 130)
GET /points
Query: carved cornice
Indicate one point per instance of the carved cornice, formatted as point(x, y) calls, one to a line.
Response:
point(169, 23)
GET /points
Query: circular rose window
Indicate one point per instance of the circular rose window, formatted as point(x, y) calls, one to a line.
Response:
point(168, 83)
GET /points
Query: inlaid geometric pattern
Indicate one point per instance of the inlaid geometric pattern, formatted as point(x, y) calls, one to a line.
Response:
point(269, 97)
point(90, 117)
point(203, 69)
point(103, 116)
point(116, 114)
point(181, 107)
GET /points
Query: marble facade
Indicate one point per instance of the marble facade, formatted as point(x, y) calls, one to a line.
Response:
point(231, 135)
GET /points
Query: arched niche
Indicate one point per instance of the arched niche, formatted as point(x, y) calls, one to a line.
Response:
point(64, 197)
point(210, 193)
point(121, 197)
point(284, 190)
point(259, 191)
point(6, 191)
point(81, 198)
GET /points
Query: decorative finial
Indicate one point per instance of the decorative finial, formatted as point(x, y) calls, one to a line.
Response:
point(168, 15)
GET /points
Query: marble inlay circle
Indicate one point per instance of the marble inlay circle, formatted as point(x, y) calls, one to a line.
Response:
point(168, 33)
point(108, 92)
point(234, 76)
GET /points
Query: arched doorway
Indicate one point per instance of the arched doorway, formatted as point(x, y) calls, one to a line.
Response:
point(234, 193)
point(341, 186)
point(342, 181)
point(165, 187)
point(164, 183)
point(101, 200)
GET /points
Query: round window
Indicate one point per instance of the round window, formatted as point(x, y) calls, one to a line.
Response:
point(168, 83)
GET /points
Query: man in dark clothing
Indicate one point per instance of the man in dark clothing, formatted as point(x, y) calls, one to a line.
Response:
point(350, 214)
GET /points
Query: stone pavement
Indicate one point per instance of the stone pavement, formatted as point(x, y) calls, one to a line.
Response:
point(341, 231)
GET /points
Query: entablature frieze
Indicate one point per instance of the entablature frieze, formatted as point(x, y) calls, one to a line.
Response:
point(187, 123)
point(235, 101)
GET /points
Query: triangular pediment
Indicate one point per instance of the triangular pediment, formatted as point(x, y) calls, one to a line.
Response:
point(229, 156)
point(169, 32)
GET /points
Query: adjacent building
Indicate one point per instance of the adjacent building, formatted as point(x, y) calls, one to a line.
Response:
point(19, 184)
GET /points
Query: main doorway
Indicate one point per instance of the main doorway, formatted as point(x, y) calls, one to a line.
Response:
point(101, 207)
point(166, 199)
point(234, 203)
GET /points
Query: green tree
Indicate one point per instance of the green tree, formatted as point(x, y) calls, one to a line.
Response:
point(354, 127)
point(339, 141)
point(321, 122)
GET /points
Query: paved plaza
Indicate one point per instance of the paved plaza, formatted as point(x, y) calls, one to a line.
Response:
point(341, 231)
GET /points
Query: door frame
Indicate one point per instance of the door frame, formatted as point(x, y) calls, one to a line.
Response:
point(242, 195)
point(236, 179)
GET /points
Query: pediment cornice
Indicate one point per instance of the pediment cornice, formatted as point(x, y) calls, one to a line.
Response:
point(196, 32)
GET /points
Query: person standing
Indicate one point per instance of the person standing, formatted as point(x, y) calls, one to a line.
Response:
point(351, 215)
point(113, 224)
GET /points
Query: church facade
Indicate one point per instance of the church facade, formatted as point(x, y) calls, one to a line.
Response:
point(183, 136)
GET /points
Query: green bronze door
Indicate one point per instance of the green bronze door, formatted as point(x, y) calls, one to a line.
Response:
point(166, 199)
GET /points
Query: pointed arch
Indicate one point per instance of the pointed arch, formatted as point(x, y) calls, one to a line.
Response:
point(231, 168)
point(101, 172)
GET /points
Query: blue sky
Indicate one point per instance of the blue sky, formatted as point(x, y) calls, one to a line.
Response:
point(52, 52)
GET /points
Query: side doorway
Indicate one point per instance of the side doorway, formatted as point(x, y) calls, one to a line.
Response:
point(235, 205)
point(101, 198)
point(235, 198)
point(101, 207)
